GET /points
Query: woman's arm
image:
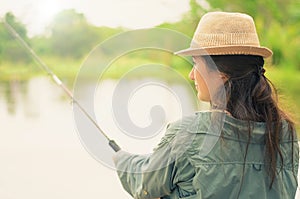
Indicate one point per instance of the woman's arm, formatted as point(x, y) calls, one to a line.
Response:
point(146, 176)
point(156, 175)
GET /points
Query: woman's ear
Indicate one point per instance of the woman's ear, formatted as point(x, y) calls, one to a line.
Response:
point(224, 77)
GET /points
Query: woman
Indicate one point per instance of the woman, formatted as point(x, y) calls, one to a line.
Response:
point(244, 147)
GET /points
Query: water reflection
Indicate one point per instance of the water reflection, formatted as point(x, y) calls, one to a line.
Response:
point(11, 91)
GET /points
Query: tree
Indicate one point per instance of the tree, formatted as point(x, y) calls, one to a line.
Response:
point(72, 36)
point(10, 49)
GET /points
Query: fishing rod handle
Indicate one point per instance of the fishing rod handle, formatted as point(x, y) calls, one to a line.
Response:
point(114, 145)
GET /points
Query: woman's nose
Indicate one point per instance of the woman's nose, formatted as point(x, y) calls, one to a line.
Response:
point(191, 75)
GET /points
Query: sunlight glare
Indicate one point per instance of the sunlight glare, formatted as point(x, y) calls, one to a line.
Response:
point(47, 9)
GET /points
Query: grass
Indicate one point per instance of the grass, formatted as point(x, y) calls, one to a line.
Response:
point(21, 71)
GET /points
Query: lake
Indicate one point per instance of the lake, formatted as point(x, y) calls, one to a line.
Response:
point(42, 152)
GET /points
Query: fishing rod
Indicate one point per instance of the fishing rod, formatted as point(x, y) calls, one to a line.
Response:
point(43, 66)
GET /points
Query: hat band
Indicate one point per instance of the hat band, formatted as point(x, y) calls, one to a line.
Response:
point(210, 40)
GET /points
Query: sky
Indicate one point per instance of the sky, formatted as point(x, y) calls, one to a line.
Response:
point(37, 14)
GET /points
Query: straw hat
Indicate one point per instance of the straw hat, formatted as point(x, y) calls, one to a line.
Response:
point(223, 33)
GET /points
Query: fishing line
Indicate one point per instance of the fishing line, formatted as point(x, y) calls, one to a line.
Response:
point(44, 67)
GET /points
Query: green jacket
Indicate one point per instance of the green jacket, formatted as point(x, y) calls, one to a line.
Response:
point(196, 160)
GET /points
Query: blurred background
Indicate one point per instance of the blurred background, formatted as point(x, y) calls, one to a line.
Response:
point(66, 36)
point(41, 155)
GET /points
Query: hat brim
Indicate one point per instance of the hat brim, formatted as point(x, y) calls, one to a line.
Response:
point(227, 50)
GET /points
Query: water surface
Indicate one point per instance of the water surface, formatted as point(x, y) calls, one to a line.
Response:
point(41, 152)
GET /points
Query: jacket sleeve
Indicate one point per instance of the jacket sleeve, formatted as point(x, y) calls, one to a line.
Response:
point(140, 180)
point(154, 175)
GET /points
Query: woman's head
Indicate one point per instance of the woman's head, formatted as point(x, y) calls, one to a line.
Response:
point(234, 82)
point(246, 88)
point(230, 40)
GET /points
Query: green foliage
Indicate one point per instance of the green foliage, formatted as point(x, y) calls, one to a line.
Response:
point(20, 28)
point(42, 45)
point(10, 50)
point(287, 84)
point(71, 35)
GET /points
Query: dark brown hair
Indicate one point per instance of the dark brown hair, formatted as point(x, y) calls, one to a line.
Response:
point(250, 96)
